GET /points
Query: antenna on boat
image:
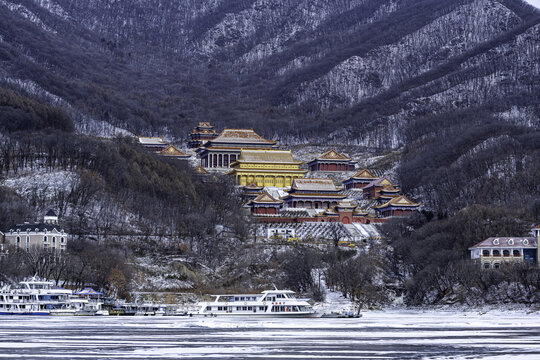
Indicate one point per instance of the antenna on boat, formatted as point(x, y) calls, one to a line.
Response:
point(275, 287)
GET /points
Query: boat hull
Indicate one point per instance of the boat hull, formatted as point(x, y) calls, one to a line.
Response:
point(257, 315)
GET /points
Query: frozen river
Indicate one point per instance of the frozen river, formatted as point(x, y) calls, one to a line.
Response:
point(378, 335)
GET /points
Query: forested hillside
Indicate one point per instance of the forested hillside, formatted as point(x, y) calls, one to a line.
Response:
point(367, 72)
point(450, 88)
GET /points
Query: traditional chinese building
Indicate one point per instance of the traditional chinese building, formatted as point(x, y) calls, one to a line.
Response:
point(201, 133)
point(251, 191)
point(47, 235)
point(332, 161)
point(173, 152)
point(359, 180)
point(224, 150)
point(397, 206)
point(265, 204)
point(494, 251)
point(373, 189)
point(152, 143)
point(266, 168)
point(313, 194)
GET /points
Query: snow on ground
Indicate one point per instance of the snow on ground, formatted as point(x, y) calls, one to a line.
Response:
point(41, 182)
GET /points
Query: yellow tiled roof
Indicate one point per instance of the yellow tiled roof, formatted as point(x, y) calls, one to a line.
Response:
point(333, 155)
point(172, 150)
point(241, 136)
point(398, 201)
point(267, 156)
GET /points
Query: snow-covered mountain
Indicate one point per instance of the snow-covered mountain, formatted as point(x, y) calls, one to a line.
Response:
point(363, 72)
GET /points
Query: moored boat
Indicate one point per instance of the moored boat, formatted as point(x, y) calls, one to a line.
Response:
point(270, 303)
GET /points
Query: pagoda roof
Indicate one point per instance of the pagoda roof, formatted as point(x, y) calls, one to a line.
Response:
point(151, 140)
point(346, 204)
point(172, 150)
point(312, 184)
point(267, 156)
point(399, 201)
point(380, 182)
point(203, 124)
point(200, 170)
point(253, 186)
point(333, 155)
point(246, 136)
point(507, 242)
point(266, 198)
point(364, 174)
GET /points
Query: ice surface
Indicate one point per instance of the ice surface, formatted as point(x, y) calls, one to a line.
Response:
point(389, 334)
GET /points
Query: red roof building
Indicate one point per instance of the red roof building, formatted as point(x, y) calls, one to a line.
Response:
point(332, 161)
point(360, 179)
point(313, 194)
point(494, 251)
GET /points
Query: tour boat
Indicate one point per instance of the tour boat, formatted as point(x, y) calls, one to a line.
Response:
point(270, 303)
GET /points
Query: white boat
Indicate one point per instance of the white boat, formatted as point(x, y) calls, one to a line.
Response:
point(35, 297)
point(270, 303)
point(150, 309)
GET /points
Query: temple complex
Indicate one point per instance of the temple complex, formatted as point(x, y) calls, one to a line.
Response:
point(275, 168)
point(313, 194)
point(222, 151)
point(397, 206)
point(359, 180)
point(201, 133)
point(152, 143)
point(332, 161)
point(173, 152)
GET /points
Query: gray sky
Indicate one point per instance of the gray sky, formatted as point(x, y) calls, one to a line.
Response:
point(534, 2)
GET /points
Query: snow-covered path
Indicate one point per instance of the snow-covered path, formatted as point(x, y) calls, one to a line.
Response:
point(378, 335)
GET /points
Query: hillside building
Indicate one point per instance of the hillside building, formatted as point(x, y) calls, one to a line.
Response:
point(360, 179)
point(265, 205)
point(494, 251)
point(224, 150)
point(276, 168)
point(155, 144)
point(47, 235)
point(201, 134)
point(172, 151)
point(332, 161)
point(373, 189)
point(313, 194)
point(396, 206)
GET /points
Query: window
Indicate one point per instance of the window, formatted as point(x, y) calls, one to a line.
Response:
point(496, 265)
point(516, 253)
point(506, 252)
point(62, 240)
point(487, 265)
point(54, 240)
point(496, 253)
point(45, 239)
point(485, 252)
point(525, 242)
point(511, 242)
point(496, 242)
point(18, 240)
point(27, 240)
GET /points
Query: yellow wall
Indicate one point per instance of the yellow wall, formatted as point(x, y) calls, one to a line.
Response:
point(266, 179)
